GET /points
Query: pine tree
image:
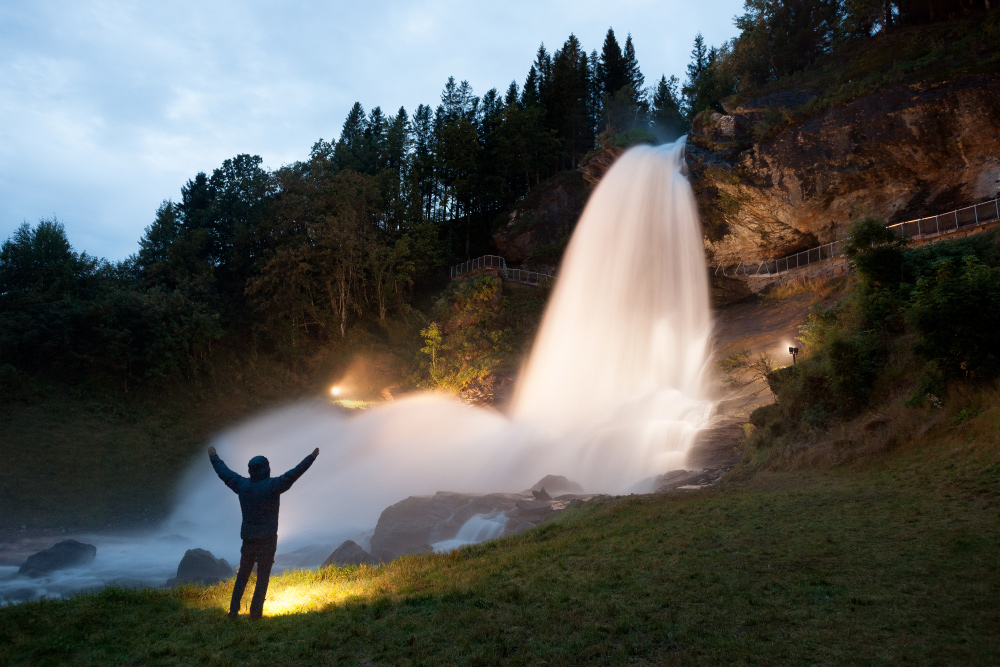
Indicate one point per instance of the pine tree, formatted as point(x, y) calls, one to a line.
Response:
point(612, 68)
point(529, 94)
point(697, 69)
point(424, 174)
point(665, 114)
point(451, 104)
point(569, 102)
point(596, 103)
point(699, 59)
point(633, 76)
point(350, 146)
point(489, 108)
point(543, 69)
point(511, 98)
point(373, 159)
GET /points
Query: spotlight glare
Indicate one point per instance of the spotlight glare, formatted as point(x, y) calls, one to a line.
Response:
point(335, 391)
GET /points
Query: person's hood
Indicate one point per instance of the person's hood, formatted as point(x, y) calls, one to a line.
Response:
point(259, 469)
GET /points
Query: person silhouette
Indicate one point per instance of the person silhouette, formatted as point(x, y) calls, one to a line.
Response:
point(259, 502)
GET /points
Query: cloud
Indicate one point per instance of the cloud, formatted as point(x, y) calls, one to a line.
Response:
point(108, 107)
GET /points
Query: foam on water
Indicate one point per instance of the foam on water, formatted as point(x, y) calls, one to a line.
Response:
point(478, 528)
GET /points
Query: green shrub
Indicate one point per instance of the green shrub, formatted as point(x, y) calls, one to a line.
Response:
point(876, 252)
point(934, 312)
point(478, 329)
point(957, 316)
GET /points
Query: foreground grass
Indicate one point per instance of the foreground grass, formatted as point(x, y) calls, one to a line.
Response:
point(896, 563)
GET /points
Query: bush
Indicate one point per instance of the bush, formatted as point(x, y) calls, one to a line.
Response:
point(478, 330)
point(957, 316)
point(876, 252)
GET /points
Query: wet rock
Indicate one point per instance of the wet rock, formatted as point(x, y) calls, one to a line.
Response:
point(349, 553)
point(521, 527)
point(64, 555)
point(726, 290)
point(541, 494)
point(534, 511)
point(688, 479)
point(200, 567)
point(304, 558)
point(412, 525)
point(557, 485)
point(596, 166)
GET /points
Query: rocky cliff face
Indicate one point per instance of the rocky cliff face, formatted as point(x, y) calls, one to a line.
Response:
point(769, 185)
point(538, 229)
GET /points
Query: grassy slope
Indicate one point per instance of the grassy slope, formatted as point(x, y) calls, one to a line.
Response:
point(897, 562)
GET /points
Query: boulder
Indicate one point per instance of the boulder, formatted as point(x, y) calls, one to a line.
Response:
point(349, 553)
point(521, 527)
point(200, 567)
point(534, 511)
point(557, 485)
point(65, 554)
point(411, 526)
point(541, 494)
point(305, 558)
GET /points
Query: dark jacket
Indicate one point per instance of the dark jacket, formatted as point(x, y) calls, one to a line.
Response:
point(259, 495)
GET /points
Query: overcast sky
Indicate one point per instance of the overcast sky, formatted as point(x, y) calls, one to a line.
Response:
point(108, 107)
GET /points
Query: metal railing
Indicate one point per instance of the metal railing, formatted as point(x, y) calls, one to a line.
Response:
point(484, 262)
point(526, 277)
point(911, 229)
point(945, 222)
point(494, 262)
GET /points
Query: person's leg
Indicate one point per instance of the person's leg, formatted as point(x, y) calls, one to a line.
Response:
point(265, 559)
point(242, 576)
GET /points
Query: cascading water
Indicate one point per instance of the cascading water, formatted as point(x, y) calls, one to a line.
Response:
point(612, 394)
point(617, 370)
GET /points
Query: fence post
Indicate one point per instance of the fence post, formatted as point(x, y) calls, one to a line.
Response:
point(956, 219)
point(996, 205)
point(975, 210)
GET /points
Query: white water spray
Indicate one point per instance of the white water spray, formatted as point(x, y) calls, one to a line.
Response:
point(617, 370)
point(612, 394)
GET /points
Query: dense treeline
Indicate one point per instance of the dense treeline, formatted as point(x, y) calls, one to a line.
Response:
point(780, 37)
point(293, 258)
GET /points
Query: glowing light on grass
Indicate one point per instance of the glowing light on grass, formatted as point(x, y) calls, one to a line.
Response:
point(296, 600)
point(356, 405)
point(306, 591)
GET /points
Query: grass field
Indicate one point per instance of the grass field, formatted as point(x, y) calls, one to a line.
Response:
point(893, 561)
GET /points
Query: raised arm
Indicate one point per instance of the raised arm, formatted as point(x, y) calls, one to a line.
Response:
point(285, 481)
point(230, 478)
